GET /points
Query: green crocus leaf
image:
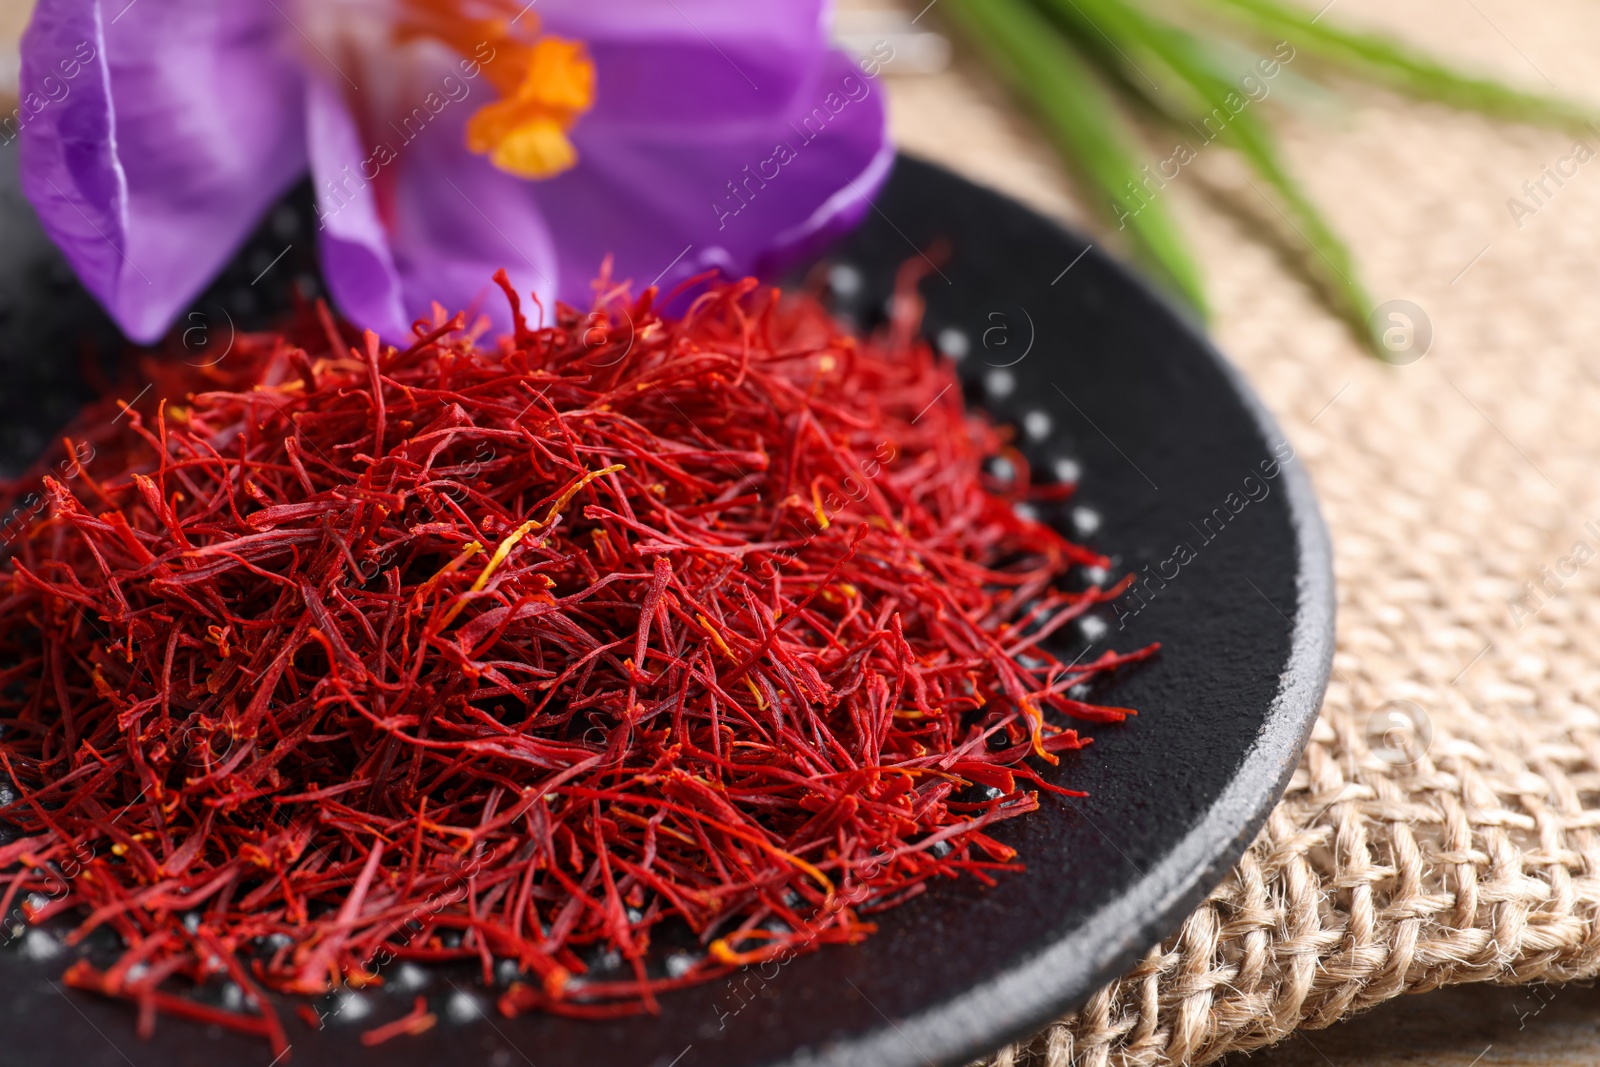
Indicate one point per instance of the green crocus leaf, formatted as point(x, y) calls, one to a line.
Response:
point(1081, 115)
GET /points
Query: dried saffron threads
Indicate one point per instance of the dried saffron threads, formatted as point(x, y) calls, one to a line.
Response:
point(622, 632)
point(418, 1020)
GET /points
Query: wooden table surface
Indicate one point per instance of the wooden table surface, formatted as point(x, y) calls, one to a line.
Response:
point(1461, 1026)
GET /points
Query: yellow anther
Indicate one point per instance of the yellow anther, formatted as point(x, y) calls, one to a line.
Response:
point(525, 132)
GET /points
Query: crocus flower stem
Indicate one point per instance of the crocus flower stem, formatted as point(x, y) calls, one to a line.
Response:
point(1180, 63)
point(1081, 115)
point(1208, 98)
point(1402, 68)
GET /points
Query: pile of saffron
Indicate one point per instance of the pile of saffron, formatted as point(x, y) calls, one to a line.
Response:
point(556, 648)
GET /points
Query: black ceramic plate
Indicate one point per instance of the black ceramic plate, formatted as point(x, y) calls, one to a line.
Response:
point(1186, 481)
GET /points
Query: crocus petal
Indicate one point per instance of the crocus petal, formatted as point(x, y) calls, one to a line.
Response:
point(163, 149)
point(777, 22)
point(408, 218)
point(689, 63)
point(668, 200)
point(356, 261)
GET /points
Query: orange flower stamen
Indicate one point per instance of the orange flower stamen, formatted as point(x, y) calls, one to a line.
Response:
point(546, 83)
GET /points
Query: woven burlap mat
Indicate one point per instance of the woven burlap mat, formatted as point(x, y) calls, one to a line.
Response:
point(1449, 485)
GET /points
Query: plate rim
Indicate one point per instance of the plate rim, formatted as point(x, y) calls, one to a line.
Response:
point(1064, 973)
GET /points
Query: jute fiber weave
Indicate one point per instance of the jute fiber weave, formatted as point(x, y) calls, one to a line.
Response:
point(1459, 842)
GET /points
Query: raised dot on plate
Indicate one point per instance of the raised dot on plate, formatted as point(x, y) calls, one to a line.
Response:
point(462, 1007)
point(1036, 424)
point(285, 223)
point(260, 261)
point(1002, 468)
point(844, 280)
point(1092, 627)
point(1085, 520)
point(953, 343)
point(40, 945)
point(243, 302)
point(679, 964)
point(1096, 575)
point(1000, 383)
point(408, 977)
point(353, 1006)
point(1067, 470)
point(1026, 511)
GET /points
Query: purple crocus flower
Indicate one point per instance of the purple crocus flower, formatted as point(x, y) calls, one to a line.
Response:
point(446, 139)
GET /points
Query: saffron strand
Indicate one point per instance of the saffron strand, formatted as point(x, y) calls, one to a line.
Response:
point(623, 633)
